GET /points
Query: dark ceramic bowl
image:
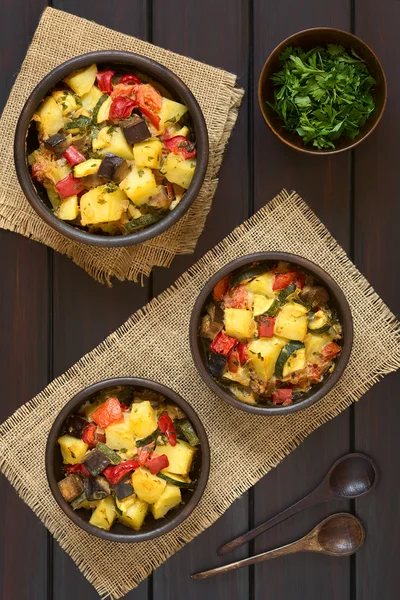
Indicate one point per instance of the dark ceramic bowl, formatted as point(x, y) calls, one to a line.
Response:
point(321, 36)
point(151, 528)
point(26, 141)
point(337, 300)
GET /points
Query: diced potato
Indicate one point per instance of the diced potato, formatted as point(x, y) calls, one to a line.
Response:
point(88, 167)
point(171, 112)
point(53, 194)
point(139, 185)
point(100, 205)
point(67, 101)
point(135, 514)
point(142, 419)
point(314, 343)
point(179, 192)
point(89, 504)
point(104, 514)
point(72, 449)
point(180, 457)
point(112, 139)
point(261, 304)
point(263, 354)
point(179, 171)
point(134, 212)
point(119, 435)
point(239, 323)
point(104, 110)
point(89, 101)
point(49, 117)
point(291, 322)
point(170, 498)
point(148, 153)
point(124, 504)
point(81, 81)
point(241, 376)
point(295, 362)
point(68, 210)
point(147, 487)
point(262, 285)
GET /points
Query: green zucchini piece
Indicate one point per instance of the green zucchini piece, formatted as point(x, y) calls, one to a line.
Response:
point(185, 431)
point(177, 480)
point(318, 322)
point(148, 439)
point(143, 221)
point(284, 354)
point(285, 293)
point(75, 504)
point(96, 109)
point(81, 124)
point(298, 301)
point(111, 455)
point(273, 309)
point(247, 273)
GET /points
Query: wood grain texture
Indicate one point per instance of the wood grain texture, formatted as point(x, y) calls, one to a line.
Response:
point(377, 214)
point(324, 184)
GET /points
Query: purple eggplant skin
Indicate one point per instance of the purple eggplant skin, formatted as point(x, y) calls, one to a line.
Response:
point(75, 425)
point(91, 181)
point(135, 130)
point(109, 165)
point(123, 488)
point(96, 488)
point(96, 462)
point(216, 364)
point(57, 143)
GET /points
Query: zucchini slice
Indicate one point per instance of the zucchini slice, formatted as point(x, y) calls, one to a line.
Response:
point(284, 354)
point(111, 455)
point(273, 308)
point(261, 305)
point(185, 430)
point(96, 109)
point(318, 322)
point(249, 272)
point(148, 439)
point(285, 293)
point(178, 480)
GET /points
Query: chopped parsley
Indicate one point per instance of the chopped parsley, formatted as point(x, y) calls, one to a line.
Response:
point(141, 173)
point(111, 129)
point(171, 120)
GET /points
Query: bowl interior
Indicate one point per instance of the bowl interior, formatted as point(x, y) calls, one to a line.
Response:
point(337, 301)
point(309, 39)
point(150, 526)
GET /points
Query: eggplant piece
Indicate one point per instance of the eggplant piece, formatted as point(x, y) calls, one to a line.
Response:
point(92, 181)
point(78, 501)
point(96, 462)
point(216, 364)
point(71, 487)
point(213, 322)
point(82, 142)
point(57, 143)
point(160, 200)
point(123, 488)
point(314, 295)
point(96, 488)
point(109, 166)
point(75, 425)
point(135, 129)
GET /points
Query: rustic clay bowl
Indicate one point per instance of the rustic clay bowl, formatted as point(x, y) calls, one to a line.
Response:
point(321, 36)
point(151, 528)
point(337, 300)
point(26, 141)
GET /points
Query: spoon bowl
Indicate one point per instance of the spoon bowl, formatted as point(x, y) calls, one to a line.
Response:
point(340, 535)
point(353, 476)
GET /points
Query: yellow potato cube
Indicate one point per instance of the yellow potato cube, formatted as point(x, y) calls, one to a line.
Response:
point(239, 323)
point(314, 343)
point(68, 210)
point(88, 167)
point(104, 514)
point(263, 354)
point(139, 185)
point(291, 322)
point(99, 205)
point(89, 101)
point(135, 514)
point(67, 101)
point(171, 112)
point(49, 117)
point(143, 419)
point(81, 81)
point(180, 457)
point(104, 110)
point(147, 487)
point(148, 153)
point(112, 139)
point(261, 304)
point(170, 498)
point(262, 285)
point(119, 435)
point(72, 449)
point(179, 171)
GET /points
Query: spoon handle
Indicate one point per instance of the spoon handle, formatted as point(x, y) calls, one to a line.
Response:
point(319, 494)
point(297, 546)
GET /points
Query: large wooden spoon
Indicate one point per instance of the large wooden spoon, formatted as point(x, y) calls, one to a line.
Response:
point(341, 534)
point(351, 476)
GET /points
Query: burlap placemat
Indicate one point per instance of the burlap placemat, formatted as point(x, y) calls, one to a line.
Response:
point(214, 90)
point(154, 343)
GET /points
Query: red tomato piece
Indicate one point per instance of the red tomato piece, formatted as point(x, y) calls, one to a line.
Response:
point(221, 288)
point(330, 351)
point(152, 117)
point(115, 474)
point(76, 469)
point(123, 89)
point(282, 280)
point(156, 463)
point(313, 374)
point(89, 435)
point(149, 97)
point(233, 361)
point(180, 145)
point(130, 78)
point(223, 344)
point(266, 326)
point(104, 81)
point(109, 412)
point(300, 280)
point(73, 156)
point(69, 186)
point(166, 425)
point(282, 396)
point(242, 351)
point(121, 108)
point(237, 298)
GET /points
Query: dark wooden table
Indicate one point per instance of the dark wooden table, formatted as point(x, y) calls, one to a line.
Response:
point(52, 312)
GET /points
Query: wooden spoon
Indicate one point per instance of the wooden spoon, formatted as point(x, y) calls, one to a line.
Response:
point(351, 476)
point(341, 534)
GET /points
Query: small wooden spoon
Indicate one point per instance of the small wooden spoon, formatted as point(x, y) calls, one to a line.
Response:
point(351, 476)
point(341, 534)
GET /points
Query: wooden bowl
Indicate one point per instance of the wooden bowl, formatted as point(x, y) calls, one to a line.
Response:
point(337, 300)
point(151, 528)
point(26, 141)
point(307, 39)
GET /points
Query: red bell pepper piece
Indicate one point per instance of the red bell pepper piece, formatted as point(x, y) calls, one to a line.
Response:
point(266, 326)
point(221, 288)
point(166, 425)
point(300, 280)
point(181, 145)
point(153, 118)
point(121, 108)
point(233, 361)
point(89, 435)
point(73, 156)
point(124, 407)
point(104, 81)
point(242, 350)
point(282, 280)
point(156, 463)
point(130, 78)
point(223, 344)
point(76, 469)
point(109, 412)
point(238, 298)
point(330, 351)
point(115, 474)
point(282, 396)
point(149, 97)
point(145, 453)
point(69, 186)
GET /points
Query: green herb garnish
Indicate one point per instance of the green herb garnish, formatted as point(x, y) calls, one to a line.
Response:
point(323, 94)
point(140, 173)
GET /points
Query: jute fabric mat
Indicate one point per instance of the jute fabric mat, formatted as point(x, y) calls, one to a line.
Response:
point(213, 88)
point(154, 343)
